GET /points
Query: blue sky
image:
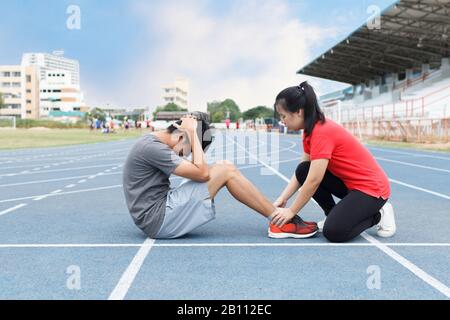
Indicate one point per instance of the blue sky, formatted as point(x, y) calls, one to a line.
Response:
point(247, 50)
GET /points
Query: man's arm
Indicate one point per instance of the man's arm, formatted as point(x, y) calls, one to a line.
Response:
point(198, 169)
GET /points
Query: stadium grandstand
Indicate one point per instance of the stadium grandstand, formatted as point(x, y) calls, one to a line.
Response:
point(398, 74)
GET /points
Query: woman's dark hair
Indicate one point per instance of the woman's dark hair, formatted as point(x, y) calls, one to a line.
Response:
point(203, 129)
point(293, 99)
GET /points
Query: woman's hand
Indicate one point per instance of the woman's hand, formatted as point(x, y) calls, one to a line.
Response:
point(282, 216)
point(188, 123)
point(280, 203)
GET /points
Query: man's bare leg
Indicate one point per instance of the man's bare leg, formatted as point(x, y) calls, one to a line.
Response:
point(225, 174)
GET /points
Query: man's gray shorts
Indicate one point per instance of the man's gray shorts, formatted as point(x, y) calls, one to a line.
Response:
point(188, 207)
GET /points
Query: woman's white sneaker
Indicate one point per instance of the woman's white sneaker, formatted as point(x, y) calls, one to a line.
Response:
point(320, 225)
point(386, 226)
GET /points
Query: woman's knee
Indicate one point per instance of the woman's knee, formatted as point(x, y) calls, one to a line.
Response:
point(302, 171)
point(334, 233)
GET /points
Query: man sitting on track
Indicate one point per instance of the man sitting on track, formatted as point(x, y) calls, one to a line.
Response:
point(164, 212)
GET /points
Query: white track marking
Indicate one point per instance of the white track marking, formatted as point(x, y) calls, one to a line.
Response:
point(391, 253)
point(12, 209)
point(441, 195)
point(216, 245)
point(409, 265)
point(409, 153)
point(130, 273)
point(58, 170)
point(40, 197)
point(413, 165)
point(411, 186)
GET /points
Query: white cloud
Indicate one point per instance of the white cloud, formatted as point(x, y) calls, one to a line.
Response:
point(248, 53)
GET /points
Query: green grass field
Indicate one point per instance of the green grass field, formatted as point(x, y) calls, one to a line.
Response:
point(41, 137)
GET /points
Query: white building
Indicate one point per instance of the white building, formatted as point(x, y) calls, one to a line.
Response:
point(42, 84)
point(49, 62)
point(177, 92)
point(59, 82)
point(58, 93)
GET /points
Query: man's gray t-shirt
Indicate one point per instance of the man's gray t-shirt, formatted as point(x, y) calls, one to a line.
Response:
point(146, 182)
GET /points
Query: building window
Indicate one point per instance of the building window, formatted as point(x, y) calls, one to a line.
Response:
point(6, 84)
point(76, 109)
point(16, 74)
point(16, 84)
point(28, 79)
point(28, 91)
point(5, 74)
point(28, 101)
point(28, 111)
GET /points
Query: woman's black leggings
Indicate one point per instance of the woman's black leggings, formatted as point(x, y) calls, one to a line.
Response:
point(355, 213)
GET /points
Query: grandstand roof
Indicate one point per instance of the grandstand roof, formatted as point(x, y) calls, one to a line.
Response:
point(412, 32)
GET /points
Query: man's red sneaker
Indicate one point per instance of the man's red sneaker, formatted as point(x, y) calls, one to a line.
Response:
point(299, 220)
point(297, 228)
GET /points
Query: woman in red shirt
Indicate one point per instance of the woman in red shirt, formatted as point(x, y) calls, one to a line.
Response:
point(334, 163)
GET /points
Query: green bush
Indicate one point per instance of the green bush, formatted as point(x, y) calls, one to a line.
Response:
point(30, 123)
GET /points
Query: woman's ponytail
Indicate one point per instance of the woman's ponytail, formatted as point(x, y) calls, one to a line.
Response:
point(302, 97)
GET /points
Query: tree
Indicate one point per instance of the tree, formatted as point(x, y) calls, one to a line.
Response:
point(258, 112)
point(98, 113)
point(2, 104)
point(170, 107)
point(219, 110)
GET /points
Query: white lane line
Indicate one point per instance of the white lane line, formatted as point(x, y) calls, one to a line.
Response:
point(56, 191)
point(40, 181)
point(217, 245)
point(40, 197)
point(60, 156)
point(69, 186)
point(410, 266)
point(394, 255)
point(60, 170)
point(413, 165)
point(441, 195)
point(12, 209)
point(17, 167)
point(411, 186)
point(82, 181)
point(410, 154)
point(262, 162)
point(130, 273)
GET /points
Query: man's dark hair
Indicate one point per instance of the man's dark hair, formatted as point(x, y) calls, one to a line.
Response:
point(203, 128)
